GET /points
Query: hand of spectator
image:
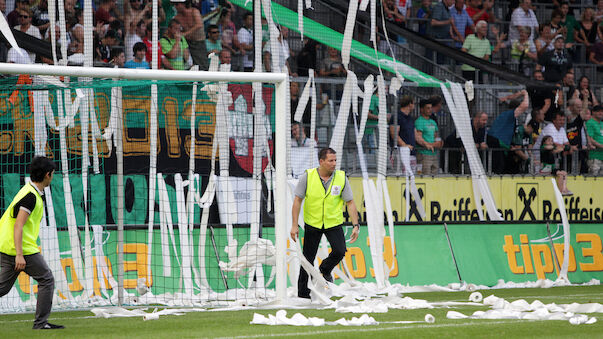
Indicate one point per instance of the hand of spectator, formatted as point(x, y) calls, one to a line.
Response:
point(483, 145)
point(501, 37)
point(573, 148)
point(429, 146)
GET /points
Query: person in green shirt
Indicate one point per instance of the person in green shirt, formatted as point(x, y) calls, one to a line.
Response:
point(426, 134)
point(479, 46)
point(568, 21)
point(594, 129)
point(371, 123)
point(175, 47)
point(19, 230)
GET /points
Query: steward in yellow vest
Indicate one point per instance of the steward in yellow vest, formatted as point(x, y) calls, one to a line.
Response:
point(19, 230)
point(324, 191)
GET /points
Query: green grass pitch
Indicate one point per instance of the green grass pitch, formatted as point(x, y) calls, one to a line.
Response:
point(235, 324)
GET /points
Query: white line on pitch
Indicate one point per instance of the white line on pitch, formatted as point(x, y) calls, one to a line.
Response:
point(371, 329)
point(58, 319)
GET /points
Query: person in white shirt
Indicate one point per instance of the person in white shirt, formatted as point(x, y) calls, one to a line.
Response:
point(25, 26)
point(303, 151)
point(523, 16)
point(245, 36)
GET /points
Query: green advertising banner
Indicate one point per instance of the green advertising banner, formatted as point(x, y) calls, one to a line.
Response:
point(486, 253)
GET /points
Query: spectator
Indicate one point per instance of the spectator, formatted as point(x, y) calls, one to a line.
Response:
point(596, 57)
point(139, 50)
point(584, 93)
point(523, 16)
point(104, 45)
point(245, 36)
point(161, 59)
point(303, 151)
point(393, 13)
point(103, 13)
point(523, 51)
point(424, 12)
point(403, 134)
point(536, 122)
point(479, 11)
point(594, 128)
point(442, 23)
point(587, 32)
point(437, 110)
point(568, 21)
point(306, 59)
point(213, 43)
point(427, 135)
point(569, 83)
point(555, 23)
point(225, 57)
point(134, 36)
point(133, 10)
point(193, 31)
point(518, 159)
point(118, 58)
point(576, 133)
point(25, 26)
point(405, 8)
point(548, 155)
point(599, 11)
point(479, 46)
point(557, 131)
point(556, 62)
point(503, 129)
point(175, 47)
point(14, 16)
point(461, 21)
point(284, 52)
point(40, 16)
point(332, 66)
point(228, 32)
point(541, 97)
point(372, 122)
point(544, 42)
point(478, 125)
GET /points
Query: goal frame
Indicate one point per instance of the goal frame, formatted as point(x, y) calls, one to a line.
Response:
point(280, 139)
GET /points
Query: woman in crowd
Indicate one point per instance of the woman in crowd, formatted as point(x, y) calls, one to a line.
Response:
point(544, 41)
point(587, 34)
point(584, 93)
point(228, 31)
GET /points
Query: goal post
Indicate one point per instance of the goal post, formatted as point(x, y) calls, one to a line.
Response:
point(280, 119)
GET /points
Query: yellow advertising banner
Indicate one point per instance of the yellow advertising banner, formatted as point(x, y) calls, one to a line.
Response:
point(517, 198)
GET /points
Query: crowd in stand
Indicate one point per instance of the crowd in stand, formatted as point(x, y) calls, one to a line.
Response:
point(191, 31)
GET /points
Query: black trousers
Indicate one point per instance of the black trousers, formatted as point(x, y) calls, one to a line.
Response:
point(312, 238)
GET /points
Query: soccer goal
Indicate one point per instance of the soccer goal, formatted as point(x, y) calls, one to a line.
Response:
point(164, 181)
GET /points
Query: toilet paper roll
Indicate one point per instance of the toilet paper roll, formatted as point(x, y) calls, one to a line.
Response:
point(429, 318)
point(150, 316)
point(476, 297)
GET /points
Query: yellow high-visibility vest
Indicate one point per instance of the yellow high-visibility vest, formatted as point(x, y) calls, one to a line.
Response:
point(31, 229)
point(324, 209)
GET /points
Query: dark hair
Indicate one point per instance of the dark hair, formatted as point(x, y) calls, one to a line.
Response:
point(322, 155)
point(115, 52)
point(545, 138)
point(435, 100)
point(210, 27)
point(39, 167)
point(173, 22)
point(406, 100)
point(556, 12)
point(139, 46)
point(111, 34)
point(558, 113)
point(248, 14)
point(597, 108)
point(424, 103)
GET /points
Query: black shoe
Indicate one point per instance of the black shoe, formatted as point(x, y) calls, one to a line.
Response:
point(328, 277)
point(303, 296)
point(49, 326)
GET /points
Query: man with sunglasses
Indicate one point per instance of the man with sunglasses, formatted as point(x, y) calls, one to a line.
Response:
point(25, 26)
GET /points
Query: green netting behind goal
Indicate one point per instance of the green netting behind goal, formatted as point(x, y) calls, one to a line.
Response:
point(188, 259)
